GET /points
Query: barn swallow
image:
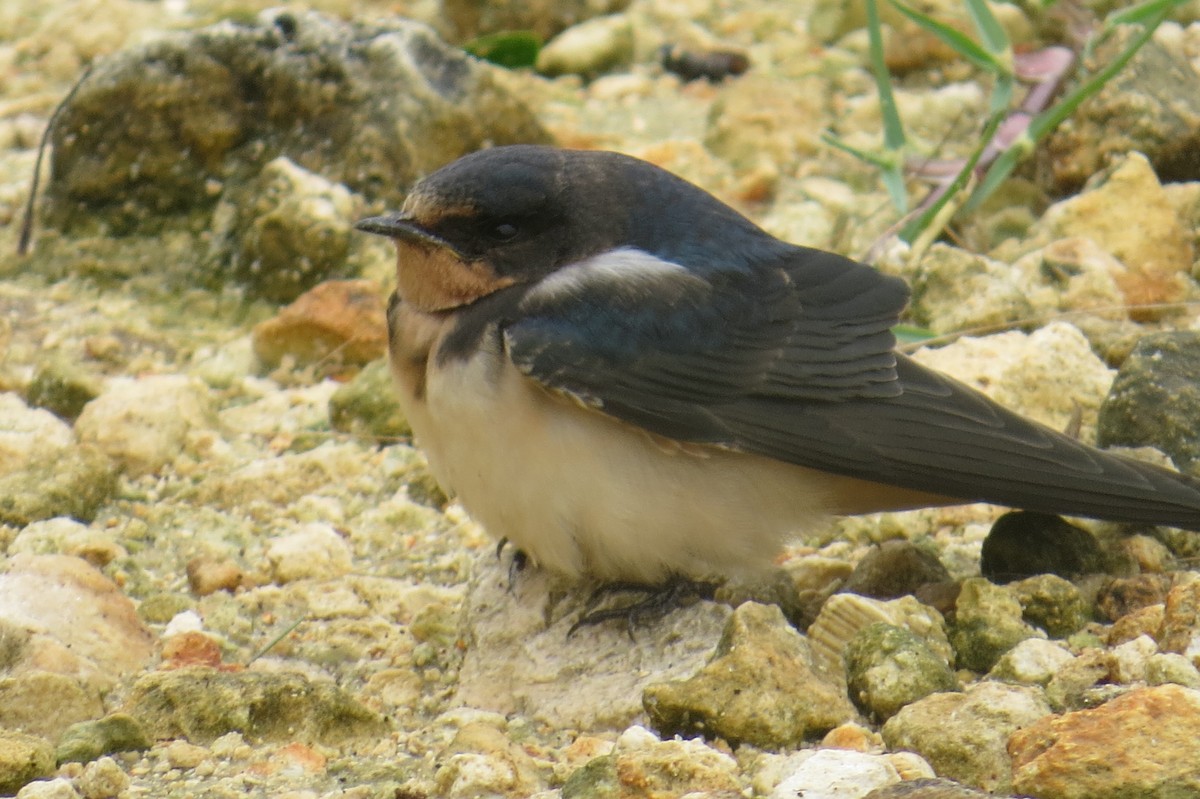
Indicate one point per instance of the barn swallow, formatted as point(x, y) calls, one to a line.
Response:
point(631, 381)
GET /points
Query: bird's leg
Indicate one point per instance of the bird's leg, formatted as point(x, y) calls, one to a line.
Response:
point(515, 566)
point(658, 600)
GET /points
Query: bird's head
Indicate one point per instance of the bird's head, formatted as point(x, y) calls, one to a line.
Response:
point(514, 215)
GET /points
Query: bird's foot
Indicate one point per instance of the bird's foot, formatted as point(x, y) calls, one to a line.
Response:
point(657, 601)
point(515, 566)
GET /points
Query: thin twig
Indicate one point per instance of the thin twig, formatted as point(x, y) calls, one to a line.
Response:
point(1040, 321)
point(274, 641)
point(27, 221)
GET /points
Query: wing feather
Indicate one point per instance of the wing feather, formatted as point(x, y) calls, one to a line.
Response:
point(795, 360)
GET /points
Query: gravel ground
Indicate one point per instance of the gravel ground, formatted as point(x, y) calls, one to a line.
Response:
point(244, 571)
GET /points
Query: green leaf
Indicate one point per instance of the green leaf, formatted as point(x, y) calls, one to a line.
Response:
point(911, 334)
point(510, 49)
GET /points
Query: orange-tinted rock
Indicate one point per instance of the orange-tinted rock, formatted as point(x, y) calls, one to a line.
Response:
point(192, 648)
point(209, 575)
point(1144, 621)
point(341, 321)
point(1181, 620)
point(1141, 744)
point(1124, 595)
point(1128, 214)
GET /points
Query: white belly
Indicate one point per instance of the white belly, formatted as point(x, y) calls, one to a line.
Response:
point(584, 494)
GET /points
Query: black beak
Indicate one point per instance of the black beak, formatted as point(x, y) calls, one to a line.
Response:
point(397, 226)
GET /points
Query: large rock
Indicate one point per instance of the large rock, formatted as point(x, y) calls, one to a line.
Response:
point(1142, 744)
point(521, 660)
point(165, 126)
point(1155, 399)
point(1150, 106)
point(1126, 211)
point(43, 473)
point(59, 614)
point(972, 749)
point(762, 687)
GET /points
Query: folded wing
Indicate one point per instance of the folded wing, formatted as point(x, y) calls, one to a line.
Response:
point(795, 360)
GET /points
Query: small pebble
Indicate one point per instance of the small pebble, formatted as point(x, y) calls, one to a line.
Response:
point(102, 779)
point(209, 575)
point(57, 788)
point(184, 755)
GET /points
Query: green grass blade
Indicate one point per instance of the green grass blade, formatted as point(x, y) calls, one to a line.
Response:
point(1049, 119)
point(874, 159)
point(1044, 123)
point(917, 226)
point(995, 39)
point(1141, 13)
point(956, 40)
point(893, 128)
point(893, 181)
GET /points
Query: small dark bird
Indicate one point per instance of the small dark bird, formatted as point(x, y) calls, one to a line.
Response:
point(630, 381)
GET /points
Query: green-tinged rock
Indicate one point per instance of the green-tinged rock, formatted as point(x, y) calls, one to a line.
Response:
point(161, 608)
point(367, 406)
point(510, 49)
point(894, 569)
point(45, 703)
point(1034, 661)
point(284, 231)
point(1074, 682)
point(972, 749)
point(988, 622)
point(957, 290)
point(23, 758)
point(84, 742)
point(74, 482)
point(1170, 668)
point(201, 704)
point(62, 387)
point(213, 106)
point(843, 615)
point(1148, 106)
point(888, 667)
point(1053, 604)
point(761, 687)
point(596, 779)
point(1155, 398)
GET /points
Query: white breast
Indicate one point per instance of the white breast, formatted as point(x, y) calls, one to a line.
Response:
point(584, 494)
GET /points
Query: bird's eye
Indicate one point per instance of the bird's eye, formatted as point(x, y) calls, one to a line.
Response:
point(505, 231)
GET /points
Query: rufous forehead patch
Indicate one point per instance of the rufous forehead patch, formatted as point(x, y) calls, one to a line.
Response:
point(427, 209)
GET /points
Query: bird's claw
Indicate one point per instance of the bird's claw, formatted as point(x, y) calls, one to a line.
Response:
point(657, 601)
